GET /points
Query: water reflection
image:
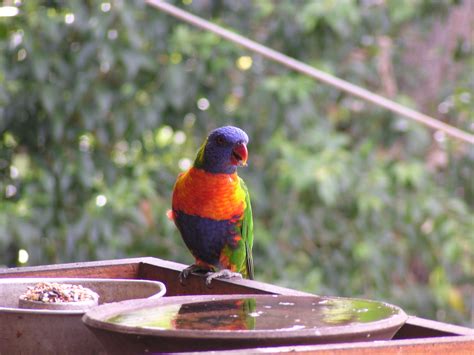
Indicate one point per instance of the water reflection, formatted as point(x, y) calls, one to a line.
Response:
point(237, 314)
point(260, 313)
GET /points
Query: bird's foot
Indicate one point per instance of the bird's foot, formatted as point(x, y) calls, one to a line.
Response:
point(222, 274)
point(183, 275)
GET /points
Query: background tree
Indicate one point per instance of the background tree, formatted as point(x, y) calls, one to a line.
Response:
point(102, 104)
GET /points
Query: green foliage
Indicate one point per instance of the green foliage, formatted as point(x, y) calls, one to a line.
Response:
point(103, 104)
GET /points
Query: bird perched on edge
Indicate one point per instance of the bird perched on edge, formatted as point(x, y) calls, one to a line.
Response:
point(211, 208)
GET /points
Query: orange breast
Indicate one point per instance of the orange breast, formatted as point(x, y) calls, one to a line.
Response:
point(215, 196)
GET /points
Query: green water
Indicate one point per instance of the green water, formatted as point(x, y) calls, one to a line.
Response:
point(261, 313)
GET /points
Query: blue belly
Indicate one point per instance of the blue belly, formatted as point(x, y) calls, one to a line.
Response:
point(206, 237)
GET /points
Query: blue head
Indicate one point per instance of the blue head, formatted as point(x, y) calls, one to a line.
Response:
point(223, 151)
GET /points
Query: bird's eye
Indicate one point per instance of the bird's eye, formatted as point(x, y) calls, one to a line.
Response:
point(220, 140)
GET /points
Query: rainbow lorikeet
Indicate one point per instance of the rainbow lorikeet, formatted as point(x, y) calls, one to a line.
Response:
point(211, 208)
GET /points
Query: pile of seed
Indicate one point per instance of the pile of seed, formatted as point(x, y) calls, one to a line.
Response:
point(51, 292)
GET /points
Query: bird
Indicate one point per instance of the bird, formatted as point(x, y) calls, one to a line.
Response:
point(211, 208)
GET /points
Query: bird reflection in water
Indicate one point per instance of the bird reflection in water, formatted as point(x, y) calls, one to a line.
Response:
point(236, 314)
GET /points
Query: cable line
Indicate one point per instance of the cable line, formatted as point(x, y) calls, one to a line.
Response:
point(313, 72)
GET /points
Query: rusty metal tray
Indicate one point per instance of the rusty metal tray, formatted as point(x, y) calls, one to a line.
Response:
point(417, 335)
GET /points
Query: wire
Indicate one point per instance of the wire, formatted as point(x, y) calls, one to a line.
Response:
point(313, 72)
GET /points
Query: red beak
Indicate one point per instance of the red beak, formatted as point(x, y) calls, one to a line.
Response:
point(239, 155)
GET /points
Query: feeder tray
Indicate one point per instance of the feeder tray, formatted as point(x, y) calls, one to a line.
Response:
point(417, 335)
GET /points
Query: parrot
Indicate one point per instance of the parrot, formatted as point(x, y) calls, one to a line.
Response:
point(211, 208)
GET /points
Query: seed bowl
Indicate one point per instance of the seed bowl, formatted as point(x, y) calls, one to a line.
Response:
point(60, 331)
point(58, 296)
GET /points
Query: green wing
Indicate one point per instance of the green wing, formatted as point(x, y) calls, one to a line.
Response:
point(247, 231)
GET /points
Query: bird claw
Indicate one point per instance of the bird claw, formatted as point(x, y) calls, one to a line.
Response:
point(184, 274)
point(222, 274)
